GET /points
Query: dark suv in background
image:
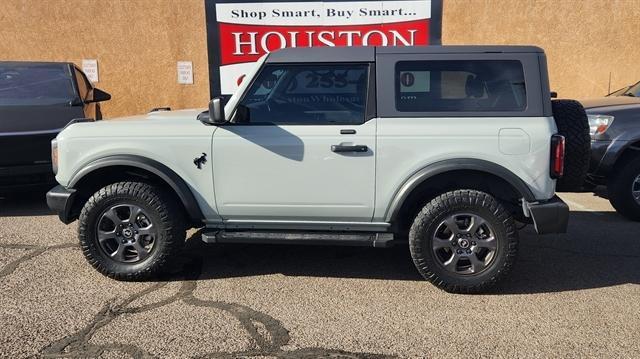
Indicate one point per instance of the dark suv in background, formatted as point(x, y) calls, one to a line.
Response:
point(37, 99)
point(614, 121)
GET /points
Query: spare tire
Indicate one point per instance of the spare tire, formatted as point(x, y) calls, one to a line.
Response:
point(572, 123)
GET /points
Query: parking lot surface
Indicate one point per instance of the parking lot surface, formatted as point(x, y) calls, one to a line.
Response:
point(572, 295)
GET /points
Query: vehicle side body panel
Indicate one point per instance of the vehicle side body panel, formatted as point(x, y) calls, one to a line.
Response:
point(294, 175)
point(621, 136)
point(175, 142)
point(407, 145)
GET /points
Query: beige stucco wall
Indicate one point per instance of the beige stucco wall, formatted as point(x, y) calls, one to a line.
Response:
point(138, 42)
point(584, 40)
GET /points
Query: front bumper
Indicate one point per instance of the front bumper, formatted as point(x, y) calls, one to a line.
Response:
point(60, 200)
point(550, 216)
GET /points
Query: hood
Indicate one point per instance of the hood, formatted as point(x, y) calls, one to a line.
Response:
point(190, 114)
point(159, 123)
point(610, 101)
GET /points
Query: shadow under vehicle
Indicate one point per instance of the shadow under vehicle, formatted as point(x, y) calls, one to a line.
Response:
point(37, 99)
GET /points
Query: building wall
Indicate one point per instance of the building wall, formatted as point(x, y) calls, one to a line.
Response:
point(138, 42)
point(585, 40)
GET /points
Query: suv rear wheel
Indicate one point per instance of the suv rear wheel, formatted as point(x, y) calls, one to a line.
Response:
point(463, 241)
point(131, 230)
point(624, 190)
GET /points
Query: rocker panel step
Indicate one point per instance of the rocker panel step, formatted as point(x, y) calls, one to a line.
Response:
point(311, 238)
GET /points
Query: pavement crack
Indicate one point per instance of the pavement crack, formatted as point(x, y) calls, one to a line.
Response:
point(268, 334)
point(34, 251)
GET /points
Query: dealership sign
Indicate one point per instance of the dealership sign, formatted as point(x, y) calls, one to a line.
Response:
point(240, 32)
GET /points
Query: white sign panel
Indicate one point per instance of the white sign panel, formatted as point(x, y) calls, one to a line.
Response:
point(185, 72)
point(90, 68)
point(247, 30)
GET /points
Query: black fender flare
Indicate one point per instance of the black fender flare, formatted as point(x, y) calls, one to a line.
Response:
point(165, 173)
point(457, 164)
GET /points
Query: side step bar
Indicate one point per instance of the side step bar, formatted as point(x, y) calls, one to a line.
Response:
point(378, 240)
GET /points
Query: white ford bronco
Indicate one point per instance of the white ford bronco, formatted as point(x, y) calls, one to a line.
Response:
point(442, 149)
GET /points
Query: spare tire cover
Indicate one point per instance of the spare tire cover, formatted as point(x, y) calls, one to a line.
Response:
point(571, 120)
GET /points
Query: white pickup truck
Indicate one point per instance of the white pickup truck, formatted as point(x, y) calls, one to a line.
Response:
point(442, 149)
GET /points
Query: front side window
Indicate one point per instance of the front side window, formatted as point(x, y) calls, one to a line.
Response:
point(27, 85)
point(308, 94)
point(460, 86)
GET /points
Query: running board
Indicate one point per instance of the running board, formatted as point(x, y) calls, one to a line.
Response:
point(377, 240)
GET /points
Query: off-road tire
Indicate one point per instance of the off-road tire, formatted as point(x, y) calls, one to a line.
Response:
point(469, 201)
point(165, 213)
point(571, 120)
point(619, 189)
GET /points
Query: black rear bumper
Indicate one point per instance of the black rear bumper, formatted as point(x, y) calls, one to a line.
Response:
point(550, 216)
point(60, 200)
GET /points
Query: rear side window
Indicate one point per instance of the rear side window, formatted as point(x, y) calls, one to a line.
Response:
point(460, 86)
point(41, 84)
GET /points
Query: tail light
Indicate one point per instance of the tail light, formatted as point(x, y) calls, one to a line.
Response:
point(557, 156)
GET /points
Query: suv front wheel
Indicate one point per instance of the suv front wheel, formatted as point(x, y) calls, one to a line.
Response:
point(131, 230)
point(463, 241)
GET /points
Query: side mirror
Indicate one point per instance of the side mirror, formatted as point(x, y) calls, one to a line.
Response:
point(216, 112)
point(98, 96)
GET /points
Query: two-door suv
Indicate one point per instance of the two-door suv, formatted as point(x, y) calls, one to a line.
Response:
point(441, 147)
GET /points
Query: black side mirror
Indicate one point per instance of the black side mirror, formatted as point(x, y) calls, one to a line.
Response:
point(98, 96)
point(216, 113)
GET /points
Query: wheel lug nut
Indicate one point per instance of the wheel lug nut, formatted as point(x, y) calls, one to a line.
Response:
point(468, 251)
point(459, 251)
point(473, 243)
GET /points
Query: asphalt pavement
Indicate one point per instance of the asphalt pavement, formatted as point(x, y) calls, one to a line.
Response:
point(574, 295)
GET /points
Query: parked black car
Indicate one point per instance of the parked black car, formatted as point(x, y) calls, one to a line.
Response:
point(615, 148)
point(37, 99)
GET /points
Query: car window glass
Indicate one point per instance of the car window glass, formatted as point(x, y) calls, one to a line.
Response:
point(308, 94)
point(634, 90)
point(466, 85)
point(41, 84)
point(83, 85)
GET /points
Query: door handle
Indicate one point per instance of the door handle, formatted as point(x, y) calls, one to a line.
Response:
point(354, 148)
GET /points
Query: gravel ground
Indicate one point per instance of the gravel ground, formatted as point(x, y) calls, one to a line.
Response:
point(573, 295)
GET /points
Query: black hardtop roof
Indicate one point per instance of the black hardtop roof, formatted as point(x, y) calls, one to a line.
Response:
point(367, 53)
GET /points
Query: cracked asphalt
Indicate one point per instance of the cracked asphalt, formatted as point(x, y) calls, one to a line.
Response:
point(573, 295)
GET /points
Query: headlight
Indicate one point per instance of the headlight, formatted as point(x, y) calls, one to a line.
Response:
point(54, 156)
point(598, 124)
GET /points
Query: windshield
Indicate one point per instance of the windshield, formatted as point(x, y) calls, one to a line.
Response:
point(35, 84)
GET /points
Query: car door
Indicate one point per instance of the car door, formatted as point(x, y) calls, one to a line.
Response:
point(301, 147)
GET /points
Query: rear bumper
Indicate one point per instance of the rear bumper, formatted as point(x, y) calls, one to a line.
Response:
point(550, 216)
point(60, 200)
